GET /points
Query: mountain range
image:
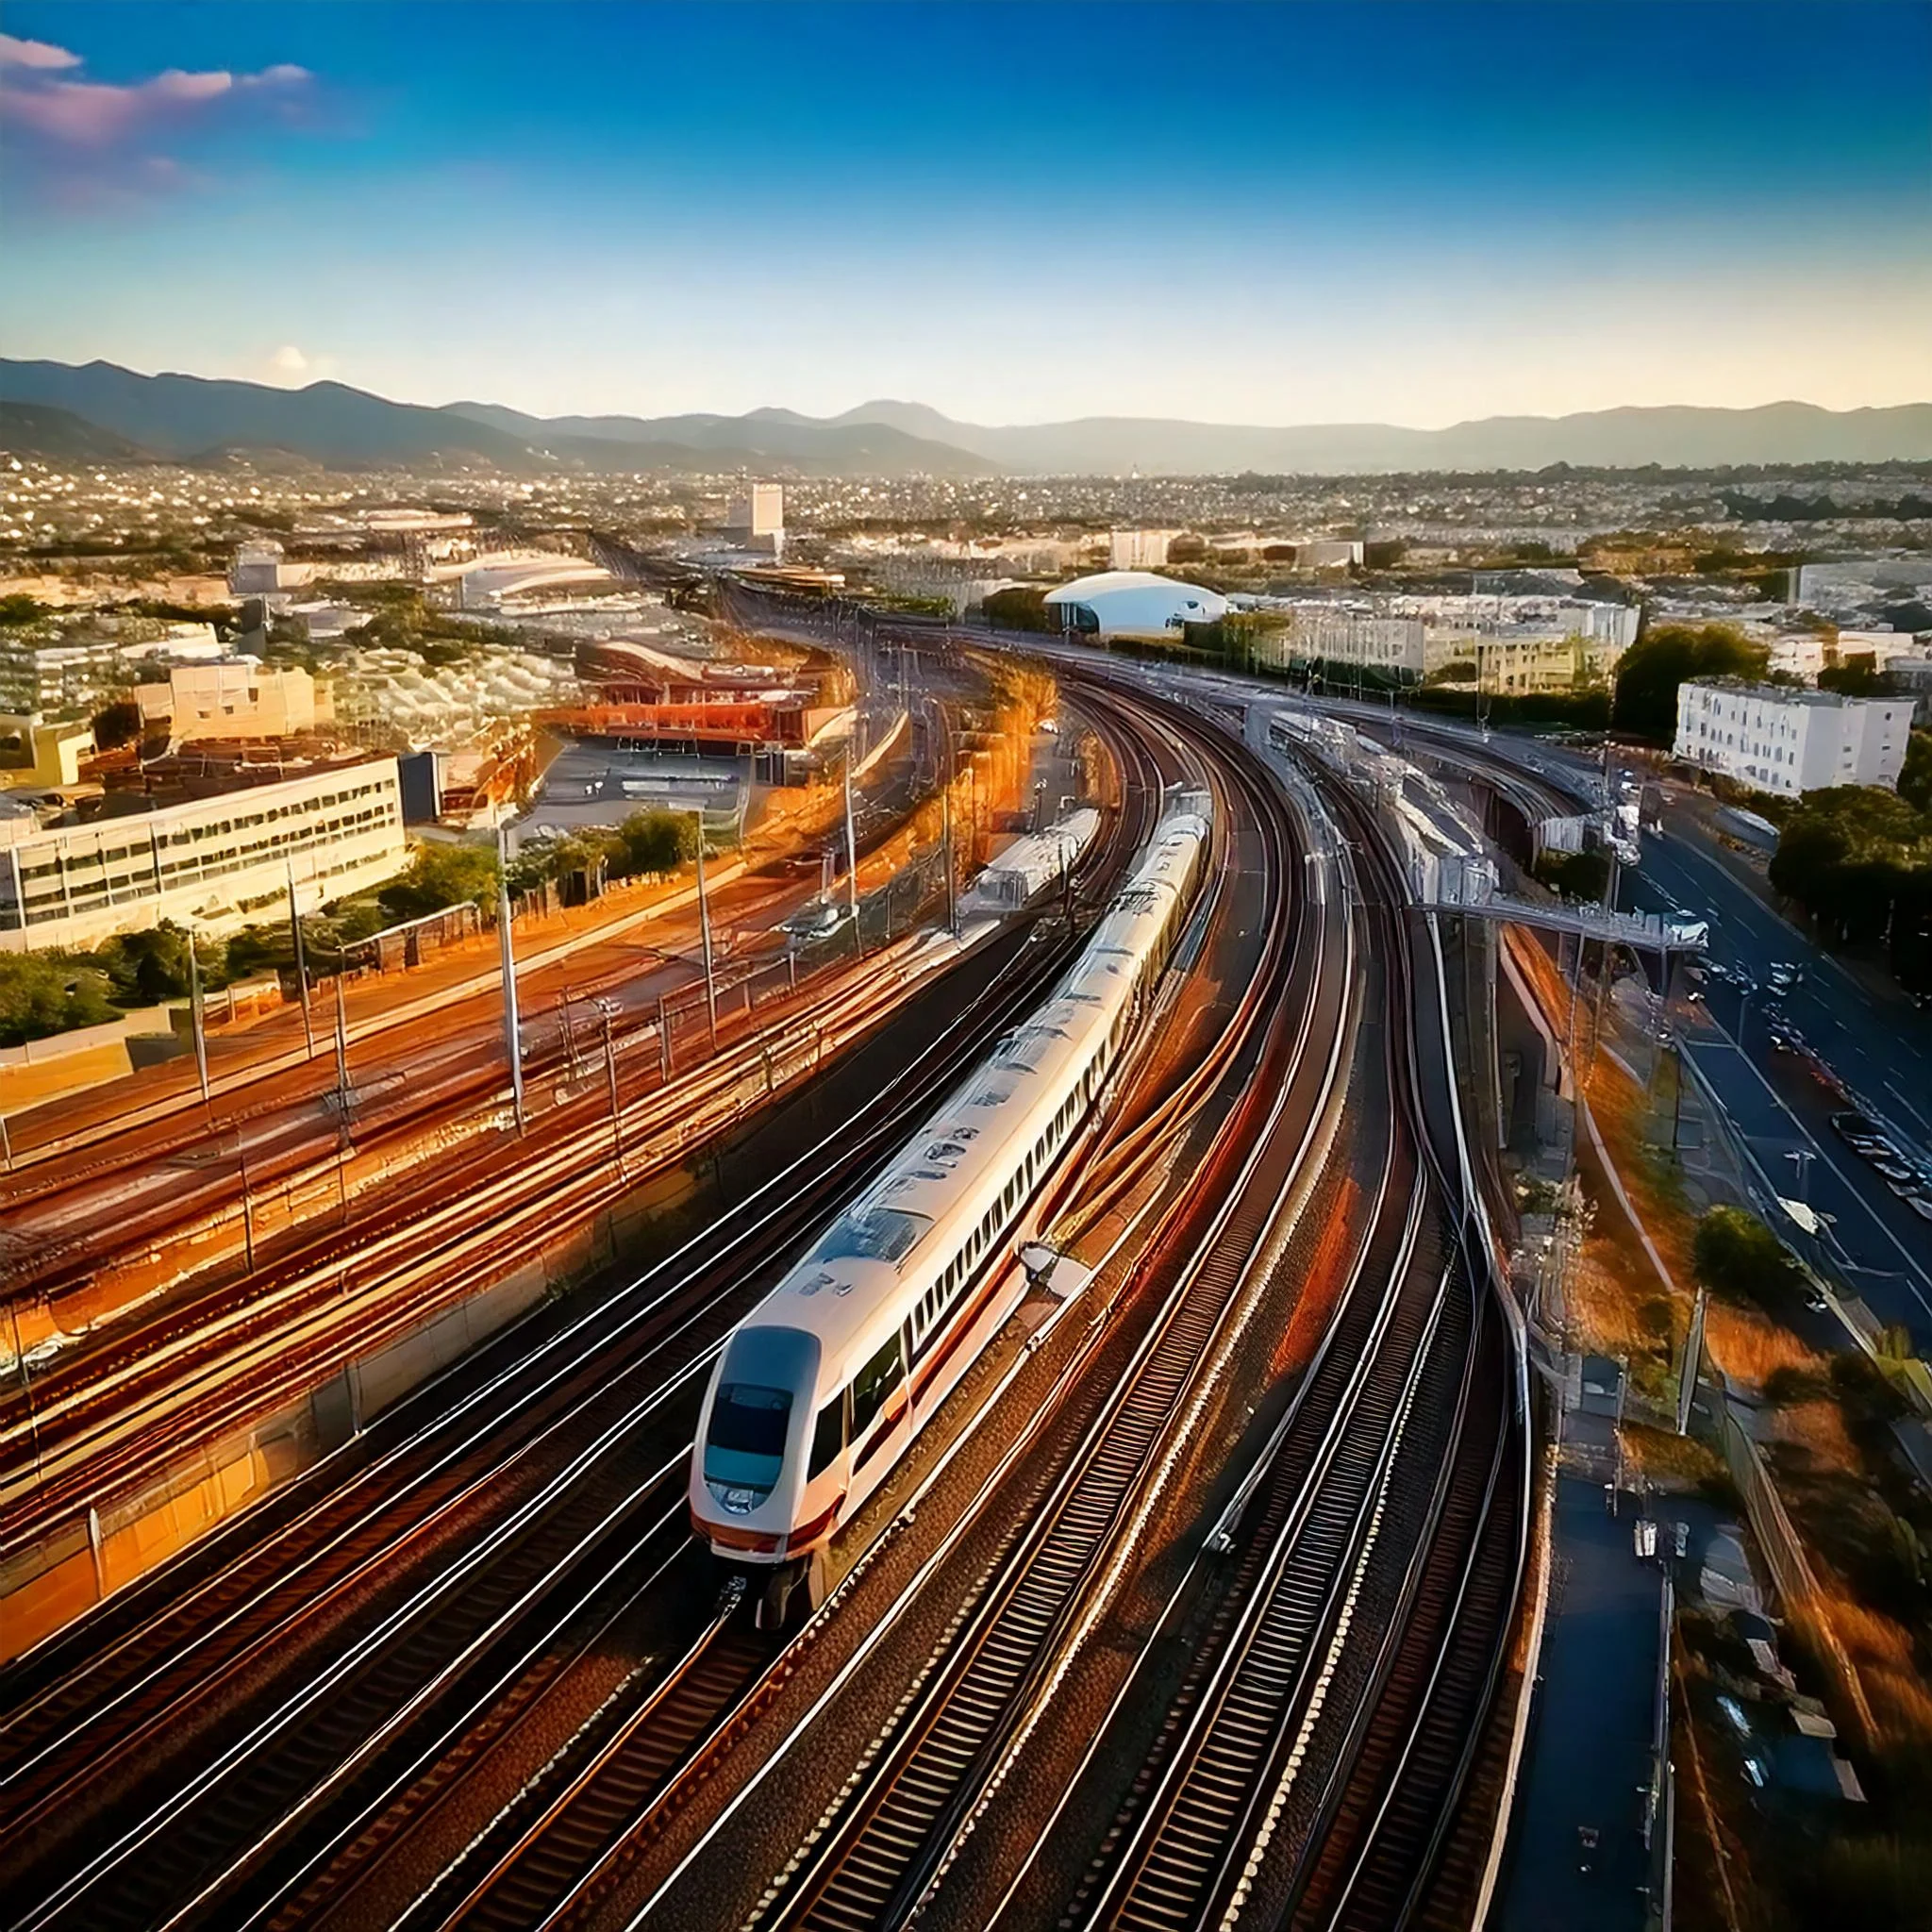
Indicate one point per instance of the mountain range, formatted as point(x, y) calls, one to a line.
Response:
point(101, 412)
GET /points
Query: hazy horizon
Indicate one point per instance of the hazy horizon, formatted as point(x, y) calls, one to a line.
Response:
point(1293, 216)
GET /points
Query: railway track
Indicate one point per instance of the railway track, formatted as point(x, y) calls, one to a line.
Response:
point(218, 1375)
point(614, 1796)
point(60, 1738)
point(1310, 1770)
point(1002, 1662)
point(146, 1696)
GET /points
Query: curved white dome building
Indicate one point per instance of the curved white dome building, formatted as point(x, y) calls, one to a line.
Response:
point(1133, 604)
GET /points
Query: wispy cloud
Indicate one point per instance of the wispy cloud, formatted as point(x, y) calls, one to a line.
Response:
point(93, 114)
point(37, 55)
point(80, 143)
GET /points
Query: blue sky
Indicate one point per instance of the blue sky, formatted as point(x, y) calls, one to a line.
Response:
point(1403, 212)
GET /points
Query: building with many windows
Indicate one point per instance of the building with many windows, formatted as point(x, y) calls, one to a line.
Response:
point(1791, 742)
point(215, 864)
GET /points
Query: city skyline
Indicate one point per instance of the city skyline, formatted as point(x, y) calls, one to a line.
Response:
point(1013, 215)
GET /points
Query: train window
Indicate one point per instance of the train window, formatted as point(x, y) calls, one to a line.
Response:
point(745, 1445)
point(874, 1383)
point(827, 1436)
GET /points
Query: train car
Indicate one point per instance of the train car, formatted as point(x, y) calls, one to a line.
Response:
point(818, 1393)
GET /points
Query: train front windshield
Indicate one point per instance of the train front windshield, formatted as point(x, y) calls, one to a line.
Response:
point(746, 1447)
point(766, 1373)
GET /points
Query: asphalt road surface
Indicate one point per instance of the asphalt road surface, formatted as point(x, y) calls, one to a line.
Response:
point(1880, 1050)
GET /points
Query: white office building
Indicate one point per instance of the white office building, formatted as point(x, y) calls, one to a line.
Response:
point(757, 512)
point(1791, 742)
point(215, 864)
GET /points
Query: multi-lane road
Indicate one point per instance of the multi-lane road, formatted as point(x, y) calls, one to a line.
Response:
point(1878, 1046)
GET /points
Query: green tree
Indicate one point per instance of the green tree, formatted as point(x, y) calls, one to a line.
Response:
point(1651, 669)
point(1915, 779)
point(18, 608)
point(1854, 675)
point(658, 840)
point(1020, 607)
point(1739, 1260)
point(1848, 855)
point(41, 993)
point(152, 965)
point(441, 875)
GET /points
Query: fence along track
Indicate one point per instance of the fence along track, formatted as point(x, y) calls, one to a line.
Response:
point(868, 1870)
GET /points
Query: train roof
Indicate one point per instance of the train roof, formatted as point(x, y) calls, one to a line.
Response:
point(837, 1291)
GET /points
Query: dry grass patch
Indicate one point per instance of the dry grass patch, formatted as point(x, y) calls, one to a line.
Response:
point(1750, 1348)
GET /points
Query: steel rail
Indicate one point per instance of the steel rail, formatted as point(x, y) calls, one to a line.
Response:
point(1380, 1828)
point(414, 1241)
point(872, 1867)
point(1032, 976)
point(454, 1431)
point(1340, 1337)
point(612, 1790)
point(598, 1871)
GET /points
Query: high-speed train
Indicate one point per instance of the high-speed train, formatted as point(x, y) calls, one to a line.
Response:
point(819, 1392)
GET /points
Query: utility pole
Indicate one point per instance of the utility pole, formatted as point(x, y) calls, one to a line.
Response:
point(247, 1201)
point(852, 861)
point(605, 1008)
point(952, 868)
point(195, 1023)
point(704, 931)
point(507, 953)
point(301, 966)
point(342, 1091)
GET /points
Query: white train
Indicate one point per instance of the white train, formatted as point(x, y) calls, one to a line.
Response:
point(819, 1392)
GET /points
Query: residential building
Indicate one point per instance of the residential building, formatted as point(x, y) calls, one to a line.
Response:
point(1346, 635)
point(258, 570)
point(1913, 679)
point(1133, 604)
point(756, 517)
point(1791, 742)
point(74, 671)
point(236, 697)
point(1137, 549)
point(215, 864)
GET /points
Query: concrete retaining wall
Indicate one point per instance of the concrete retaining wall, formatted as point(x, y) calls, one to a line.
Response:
point(59, 1578)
